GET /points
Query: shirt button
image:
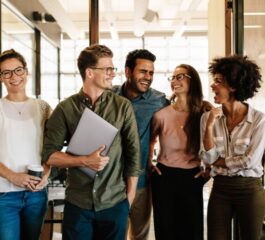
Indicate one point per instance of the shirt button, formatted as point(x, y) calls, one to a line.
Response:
point(94, 190)
point(96, 175)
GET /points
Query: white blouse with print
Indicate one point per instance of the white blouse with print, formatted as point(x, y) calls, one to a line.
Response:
point(242, 149)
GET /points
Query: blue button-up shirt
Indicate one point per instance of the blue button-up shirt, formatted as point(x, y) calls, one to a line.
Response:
point(144, 105)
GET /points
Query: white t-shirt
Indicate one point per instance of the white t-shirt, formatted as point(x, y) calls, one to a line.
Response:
point(21, 136)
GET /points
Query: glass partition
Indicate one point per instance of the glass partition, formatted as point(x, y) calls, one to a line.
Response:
point(19, 35)
point(49, 72)
point(254, 32)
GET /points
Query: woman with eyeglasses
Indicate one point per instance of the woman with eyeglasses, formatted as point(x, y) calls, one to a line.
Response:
point(233, 143)
point(177, 179)
point(23, 197)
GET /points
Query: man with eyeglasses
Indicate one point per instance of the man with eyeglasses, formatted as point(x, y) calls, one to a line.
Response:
point(139, 71)
point(96, 208)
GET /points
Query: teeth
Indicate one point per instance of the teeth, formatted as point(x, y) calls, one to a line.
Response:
point(15, 83)
point(145, 83)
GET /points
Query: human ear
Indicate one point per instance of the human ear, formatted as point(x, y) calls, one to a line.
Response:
point(128, 72)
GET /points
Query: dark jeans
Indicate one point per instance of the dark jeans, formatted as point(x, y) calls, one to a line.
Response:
point(107, 224)
point(22, 214)
point(177, 204)
point(243, 197)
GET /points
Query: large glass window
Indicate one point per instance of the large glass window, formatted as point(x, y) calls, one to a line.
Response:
point(169, 52)
point(49, 72)
point(254, 32)
point(19, 35)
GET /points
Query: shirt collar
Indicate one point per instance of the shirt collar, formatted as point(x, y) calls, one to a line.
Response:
point(87, 100)
point(249, 116)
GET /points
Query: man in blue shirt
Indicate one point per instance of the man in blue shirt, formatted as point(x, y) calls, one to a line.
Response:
point(139, 71)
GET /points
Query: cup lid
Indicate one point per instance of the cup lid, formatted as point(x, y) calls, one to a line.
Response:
point(35, 167)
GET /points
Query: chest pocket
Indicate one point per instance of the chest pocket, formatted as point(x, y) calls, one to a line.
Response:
point(241, 146)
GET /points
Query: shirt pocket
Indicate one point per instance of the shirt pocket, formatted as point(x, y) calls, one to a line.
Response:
point(241, 145)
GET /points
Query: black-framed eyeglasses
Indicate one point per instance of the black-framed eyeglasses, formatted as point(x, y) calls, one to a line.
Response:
point(178, 77)
point(7, 74)
point(108, 70)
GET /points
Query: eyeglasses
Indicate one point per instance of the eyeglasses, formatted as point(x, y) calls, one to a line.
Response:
point(108, 70)
point(7, 74)
point(178, 77)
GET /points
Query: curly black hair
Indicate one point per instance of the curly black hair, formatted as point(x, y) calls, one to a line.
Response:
point(240, 73)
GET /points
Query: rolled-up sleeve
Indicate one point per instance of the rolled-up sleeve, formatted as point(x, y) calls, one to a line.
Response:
point(210, 156)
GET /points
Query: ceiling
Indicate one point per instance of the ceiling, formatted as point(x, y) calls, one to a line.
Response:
point(119, 18)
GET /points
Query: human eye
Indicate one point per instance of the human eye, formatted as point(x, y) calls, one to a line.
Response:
point(6, 74)
point(110, 70)
point(19, 70)
point(180, 77)
point(217, 81)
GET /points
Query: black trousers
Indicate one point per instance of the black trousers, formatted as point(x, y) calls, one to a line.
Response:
point(177, 204)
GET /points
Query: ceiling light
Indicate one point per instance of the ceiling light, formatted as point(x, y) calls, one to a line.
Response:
point(180, 30)
point(185, 4)
point(252, 26)
point(254, 13)
point(155, 5)
point(113, 32)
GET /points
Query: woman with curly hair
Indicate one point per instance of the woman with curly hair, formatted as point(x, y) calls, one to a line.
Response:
point(233, 142)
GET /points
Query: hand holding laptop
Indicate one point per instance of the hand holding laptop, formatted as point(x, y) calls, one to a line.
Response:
point(95, 160)
point(92, 132)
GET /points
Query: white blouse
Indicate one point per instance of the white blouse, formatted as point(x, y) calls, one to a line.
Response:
point(21, 136)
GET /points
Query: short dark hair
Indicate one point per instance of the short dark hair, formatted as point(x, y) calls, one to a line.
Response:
point(138, 54)
point(11, 53)
point(240, 73)
point(90, 55)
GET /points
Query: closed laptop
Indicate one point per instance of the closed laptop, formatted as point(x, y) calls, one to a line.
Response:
point(92, 132)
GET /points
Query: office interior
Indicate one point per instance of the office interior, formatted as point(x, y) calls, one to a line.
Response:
point(51, 34)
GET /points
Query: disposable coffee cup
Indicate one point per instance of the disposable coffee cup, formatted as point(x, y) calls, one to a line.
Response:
point(35, 170)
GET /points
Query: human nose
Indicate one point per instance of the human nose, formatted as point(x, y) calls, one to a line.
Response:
point(213, 85)
point(148, 75)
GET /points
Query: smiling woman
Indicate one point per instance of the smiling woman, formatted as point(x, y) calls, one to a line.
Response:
point(177, 179)
point(232, 142)
point(21, 135)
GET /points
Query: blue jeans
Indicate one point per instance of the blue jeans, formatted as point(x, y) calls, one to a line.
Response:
point(107, 224)
point(22, 214)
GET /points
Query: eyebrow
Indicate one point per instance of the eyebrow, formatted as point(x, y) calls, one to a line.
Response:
point(145, 70)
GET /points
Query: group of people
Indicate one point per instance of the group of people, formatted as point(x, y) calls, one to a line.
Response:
point(196, 141)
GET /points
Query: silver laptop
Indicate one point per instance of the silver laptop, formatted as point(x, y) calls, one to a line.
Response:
point(92, 132)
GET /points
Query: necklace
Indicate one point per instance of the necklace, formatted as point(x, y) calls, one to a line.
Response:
point(179, 125)
point(180, 109)
point(19, 107)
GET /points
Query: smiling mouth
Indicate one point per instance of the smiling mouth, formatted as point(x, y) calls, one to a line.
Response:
point(15, 83)
point(176, 86)
point(145, 83)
